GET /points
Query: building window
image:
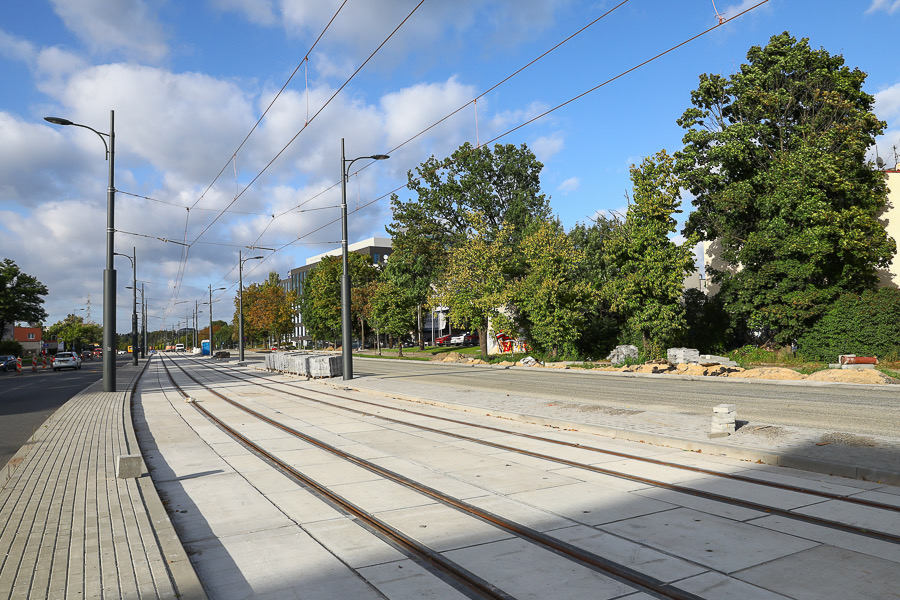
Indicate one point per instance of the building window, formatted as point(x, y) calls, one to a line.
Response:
point(30, 336)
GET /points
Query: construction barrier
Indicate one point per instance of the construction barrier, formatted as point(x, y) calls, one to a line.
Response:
point(44, 362)
point(18, 365)
point(34, 364)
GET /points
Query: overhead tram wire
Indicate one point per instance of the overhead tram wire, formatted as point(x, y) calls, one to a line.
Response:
point(265, 112)
point(581, 95)
point(311, 119)
point(544, 114)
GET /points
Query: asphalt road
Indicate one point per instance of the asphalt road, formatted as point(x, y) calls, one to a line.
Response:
point(873, 410)
point(27, 400)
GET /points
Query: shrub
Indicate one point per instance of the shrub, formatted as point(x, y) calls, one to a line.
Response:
point(866, 325)
point(11, 347)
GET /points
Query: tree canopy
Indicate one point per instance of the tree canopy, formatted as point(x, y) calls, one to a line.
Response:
point(268, 309)
point(20, 296)
point(647, 269)
point(320, 302)
point(775, 159)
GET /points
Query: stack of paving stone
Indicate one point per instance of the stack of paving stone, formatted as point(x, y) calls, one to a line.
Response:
point(706, 359)
point(677, 356)
point(724, 416)
point(306, 364)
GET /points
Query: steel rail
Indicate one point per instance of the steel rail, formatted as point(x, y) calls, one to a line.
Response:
point(617, 571)
point(473, 583)
point(653, 461)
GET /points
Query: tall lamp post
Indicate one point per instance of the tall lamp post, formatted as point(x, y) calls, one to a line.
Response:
point(346, 335)
point(109, 274)
point(142, 330)
point(241, 262)
point(134, 333)
point(212, 344)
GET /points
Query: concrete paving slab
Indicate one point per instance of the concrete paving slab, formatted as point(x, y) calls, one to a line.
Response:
point(352, 543)
point(406, 580)
point(511, 478)
point(862, 516)
point(282, 563)
point(591, 504)
point(718, 543)
point(218, 505)
point(337, 471)
point(717, 586)
point(440, 481)
point(377, 496)
point(841, 486)
point(828, 572)
point(713, 507)
point(302, 506)
point(526, 571)
point(527, 515)
point(270, 481)
point(640, 558)
point(833, 537)
point(443, 528)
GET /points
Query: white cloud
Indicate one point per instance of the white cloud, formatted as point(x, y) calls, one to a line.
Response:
point(16, 48)
point(735, 9)
point(546, 147)
point(889, 6)
point(125, 26)
point(570, 185)
point(887, 102)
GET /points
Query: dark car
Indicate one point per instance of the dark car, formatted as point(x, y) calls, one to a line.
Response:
point(87, 355)
point(7, 362)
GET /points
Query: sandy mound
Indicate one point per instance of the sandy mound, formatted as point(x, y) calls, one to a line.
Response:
point(852, 376)
point(506, 363)
point(769, 373)
point(453, 357)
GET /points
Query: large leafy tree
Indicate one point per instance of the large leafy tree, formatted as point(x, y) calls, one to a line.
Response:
point(775, 158)
point(20, 296)
point(550, 298)
point(320, 302)
point(647, 269)
point(393, 309)
point(475, 284)
point(268, 309)
point(75, 331)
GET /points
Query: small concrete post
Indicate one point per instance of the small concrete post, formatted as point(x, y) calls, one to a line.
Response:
point(129, 466)
point(723, 419)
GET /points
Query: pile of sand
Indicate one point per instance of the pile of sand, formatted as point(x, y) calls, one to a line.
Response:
point(852, 376)
point(769, 373)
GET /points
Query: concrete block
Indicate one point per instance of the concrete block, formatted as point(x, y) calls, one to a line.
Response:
point(623, 353)
point(129, 466)
point(725, 408)
point(863, 366)
point(712, 358)
point(683, 355)
point(325, 366)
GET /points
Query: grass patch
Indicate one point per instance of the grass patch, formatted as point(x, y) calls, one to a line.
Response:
point(889, 372)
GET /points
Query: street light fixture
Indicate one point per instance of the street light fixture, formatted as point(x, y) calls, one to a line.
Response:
point(346, 336)
point(134, 332)
point(109, 274)
point(241, 262)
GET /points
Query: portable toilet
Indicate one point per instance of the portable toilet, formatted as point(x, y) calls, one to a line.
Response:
point(204, 348)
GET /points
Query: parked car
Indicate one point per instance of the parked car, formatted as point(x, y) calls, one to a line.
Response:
point(443, 340)
point(66, 360)
point(87, 355)
point(464, 339)
point(7, 362)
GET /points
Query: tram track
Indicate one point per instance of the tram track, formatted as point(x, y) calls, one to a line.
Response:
point(863, 531)
point(616, 571)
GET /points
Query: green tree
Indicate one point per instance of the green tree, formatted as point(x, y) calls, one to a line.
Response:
point(600, 328)
point(320, 302)
point(775, 158)
point(648, 269)
point(268, 309)
point(393, 309)
point(20, 296)
point(74, 331)
point(550, 299)
point(475, 284)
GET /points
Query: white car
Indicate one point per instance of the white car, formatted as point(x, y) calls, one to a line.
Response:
point(66, 360)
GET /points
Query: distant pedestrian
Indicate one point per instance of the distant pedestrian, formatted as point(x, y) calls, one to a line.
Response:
point(794, 348)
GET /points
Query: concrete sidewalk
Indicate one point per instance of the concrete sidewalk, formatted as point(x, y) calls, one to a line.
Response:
point(871, 458)
point(69, 528)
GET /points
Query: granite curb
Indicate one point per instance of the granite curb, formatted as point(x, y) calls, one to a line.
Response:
point(181, 570)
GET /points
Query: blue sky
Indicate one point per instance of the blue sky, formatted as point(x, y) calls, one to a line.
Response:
point(188, 81)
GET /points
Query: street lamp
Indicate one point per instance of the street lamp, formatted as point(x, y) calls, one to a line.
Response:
point(212, 345)
point(109, 274)
point(143, 332)
point(241, 262)
point(346, 336)
point(134, 333)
